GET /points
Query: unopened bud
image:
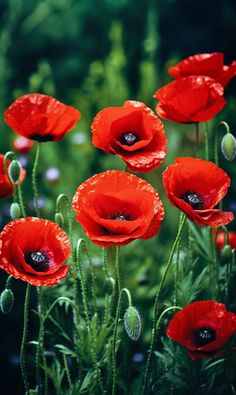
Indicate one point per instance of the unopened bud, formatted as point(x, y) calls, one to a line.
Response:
point(59, 219)
point(6, 301)
point(15, 211)
point(14, 170)
point(226, 254)
point(228, 146)
point(132, 322)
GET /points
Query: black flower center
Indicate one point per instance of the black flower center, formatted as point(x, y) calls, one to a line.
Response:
point(195, 200)
point(120, 217)
point(42, 138)
point(129, 138)
point(204, 336)
point(38, 260)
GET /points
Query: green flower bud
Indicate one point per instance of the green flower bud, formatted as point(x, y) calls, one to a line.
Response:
point(132, 322)
point(59, 219)
point(226, 254)
point(228, 146)
point(6, 301)
point(14, 170)
point(15, 211)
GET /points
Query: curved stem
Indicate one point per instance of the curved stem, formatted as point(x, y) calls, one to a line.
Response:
point(34, 179)
point(156, 304)
point(24, 338)
point(118, 309)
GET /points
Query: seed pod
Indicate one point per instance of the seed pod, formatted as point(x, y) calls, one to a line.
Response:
point(226, 254)
point(14, 170)
point(59, 219)
point(228, 146)
point(132, 322)
point(15, 211)
point(6, 301)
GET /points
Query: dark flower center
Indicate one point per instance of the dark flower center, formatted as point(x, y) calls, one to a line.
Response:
point(38, 260)
point(195, 200)
point(42, 138)
point(204, 336)
point(129, 138)
point(120, 217)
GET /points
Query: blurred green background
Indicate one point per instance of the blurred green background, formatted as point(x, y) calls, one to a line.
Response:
point(92, 54)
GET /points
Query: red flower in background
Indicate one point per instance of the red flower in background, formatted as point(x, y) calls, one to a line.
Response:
point(34, 250)
point(196, 186)
point(209, 64)
point(220, 240)
point(190, 99)
point(40, 117)
point(22, 145)
point(115, 208)
point(132, 132)
point(203, 328)
point(6, 190)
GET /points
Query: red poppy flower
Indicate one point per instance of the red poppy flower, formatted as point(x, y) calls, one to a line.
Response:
point(196, 186)
point(220, 240)
point(6, 190)
point(116, 208)
point(132, 132)
point(34, 250)
point(203, 328)
point(190, 99)
point(40, 117)
point(209, 64)
point(22, 145)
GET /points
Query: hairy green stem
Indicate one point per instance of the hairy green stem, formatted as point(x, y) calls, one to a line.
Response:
point(34, 179)
point(24, 339)
point(118, 309)
point(206, 134)
point(156, 304)
point(117, 269)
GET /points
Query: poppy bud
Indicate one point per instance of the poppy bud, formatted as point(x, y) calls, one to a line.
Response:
point(228, 146)
point(226, 254)
point(14, 170)
point(15, 211)
point(59, 219)
point(6, 301)
point(132, 322)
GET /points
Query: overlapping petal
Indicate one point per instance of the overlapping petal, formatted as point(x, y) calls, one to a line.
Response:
point(193, 178)
point(190, 99)
point(45, 240)
point(203, 328)
point(115, 208)
point(41, 117)
point(208, 64)
point(112, 125)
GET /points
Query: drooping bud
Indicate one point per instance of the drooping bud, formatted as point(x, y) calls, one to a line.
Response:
point(226, 254)
point(132, 322)
point(228, 146)
point(6, 301)
point(15, 211)
point(59, 219)
point(14, 170)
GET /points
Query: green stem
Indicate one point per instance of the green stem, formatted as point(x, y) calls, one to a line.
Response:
point(40, 347)
point(92, 339)
point(24, 338)
point(118, 309)
point(206, 133)
point(216, 156)
point(156, 304)
point(34, 179)
point(21, 200)
point(164, 313)
point(197, 139)
point(67, 371)
point(117, 270)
